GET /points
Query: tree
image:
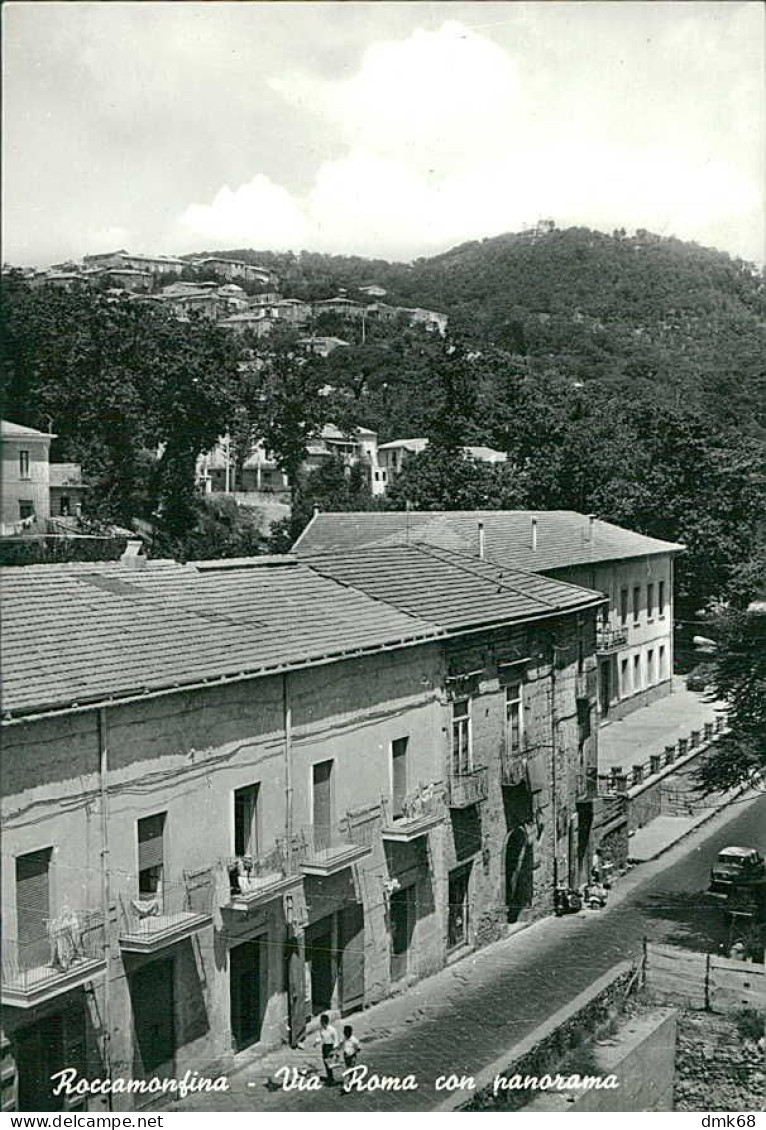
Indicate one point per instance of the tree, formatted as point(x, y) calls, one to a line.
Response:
point(330, 487)
point(132, 394)
point(740, 681)
point(218, 528)
point(442, 478)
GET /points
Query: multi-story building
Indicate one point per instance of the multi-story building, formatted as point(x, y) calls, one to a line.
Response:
point(635, 639)
point(241, 793)
point(26, 476)
point(34, 490)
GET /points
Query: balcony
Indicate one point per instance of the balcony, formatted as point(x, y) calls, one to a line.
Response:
point(254, 880)
point(420, 812)
point(149, 924)
point(69, 955)
point(325, 850)
point(467, 789)
point(609, 640)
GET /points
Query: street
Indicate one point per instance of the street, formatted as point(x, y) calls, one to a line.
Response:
point(462, 1018)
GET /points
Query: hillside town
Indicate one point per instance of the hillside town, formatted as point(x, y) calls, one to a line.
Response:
point(382, 561)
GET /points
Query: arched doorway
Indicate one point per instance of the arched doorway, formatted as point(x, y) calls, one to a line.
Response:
point(519, 863)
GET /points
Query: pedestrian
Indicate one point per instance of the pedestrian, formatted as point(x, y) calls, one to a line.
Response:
point(350, 1048)
point(327, 1037)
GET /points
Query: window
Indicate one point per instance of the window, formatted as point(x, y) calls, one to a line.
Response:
point(399, 775)
point(650, 602)
point(246, 820)
point(514, 717)
point(24, 464)
point(623, 607)
point(64, 507)
point(321, 797)
point(650, 667)
point(636, 672)
point(151, 855)
point(662, 671)
point(624, 678)
point(661, 591)
point(461, 736)
point(26, 508)
point(636, 603)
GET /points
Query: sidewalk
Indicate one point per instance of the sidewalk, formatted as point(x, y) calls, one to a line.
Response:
point(659, 834)
point(633, 739)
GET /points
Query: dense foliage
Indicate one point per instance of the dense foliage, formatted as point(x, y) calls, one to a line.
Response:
point(740, 681)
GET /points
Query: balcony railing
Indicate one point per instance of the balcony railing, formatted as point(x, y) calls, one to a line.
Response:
point(68, 955)
point(610, 639)
point(254, 880)
point(419, 812)
point(149, 923)
point(325, 849)
point(466, 789)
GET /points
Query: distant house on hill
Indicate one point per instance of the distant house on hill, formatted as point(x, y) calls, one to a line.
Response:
point(234, 269)
point(394, 454)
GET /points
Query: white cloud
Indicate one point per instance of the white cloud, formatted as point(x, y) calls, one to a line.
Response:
point(444, 138)
point(260, 212)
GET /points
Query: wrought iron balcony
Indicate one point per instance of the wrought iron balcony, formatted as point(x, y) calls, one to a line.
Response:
point(68, 955)
point(419, 813)
point(467, 789)
point(610, 639)
point(326, 849)
point(149, 923)
point(254, 880)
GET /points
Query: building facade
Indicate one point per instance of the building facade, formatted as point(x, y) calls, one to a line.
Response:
point(380, 792)
point(25, 476)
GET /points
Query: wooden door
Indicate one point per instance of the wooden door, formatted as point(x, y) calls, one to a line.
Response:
point(39, 1055)
point(33, 908)
point(245, 993)
point(351, 946)
point(151, 991)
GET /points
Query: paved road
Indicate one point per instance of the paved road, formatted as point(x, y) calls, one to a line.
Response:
point(461, 1019)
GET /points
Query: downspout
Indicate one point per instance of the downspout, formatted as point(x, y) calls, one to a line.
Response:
point(103, 770)
point(672, 621)
point(554, 741)
point(287, 715)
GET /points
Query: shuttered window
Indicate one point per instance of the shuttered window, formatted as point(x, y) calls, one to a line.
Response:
point(33, 905)
point(151, 841)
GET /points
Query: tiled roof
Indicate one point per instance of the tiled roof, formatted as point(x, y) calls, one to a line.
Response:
point(563, 536)
point(448, 589)
point(85, 632)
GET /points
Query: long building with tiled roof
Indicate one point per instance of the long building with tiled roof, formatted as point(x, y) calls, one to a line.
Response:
point(634, 571)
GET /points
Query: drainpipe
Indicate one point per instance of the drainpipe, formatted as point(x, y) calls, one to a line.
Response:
point(554, 740)
point(103, 770)
point(287, 713)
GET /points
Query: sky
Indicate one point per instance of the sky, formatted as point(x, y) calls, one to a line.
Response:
point(381, 129)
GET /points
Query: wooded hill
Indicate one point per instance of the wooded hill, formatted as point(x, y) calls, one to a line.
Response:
point(587, 306)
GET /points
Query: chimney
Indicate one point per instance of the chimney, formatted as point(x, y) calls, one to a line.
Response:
point(133, 556)
point(481, 541)
point(534, 534)
point(591, 527)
